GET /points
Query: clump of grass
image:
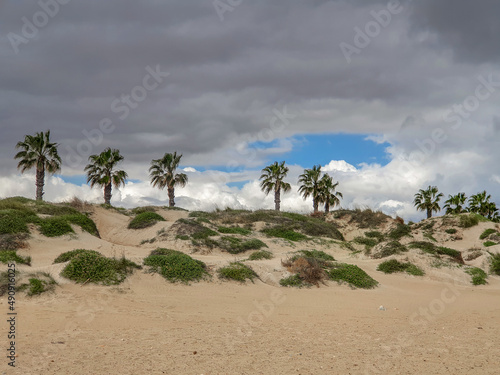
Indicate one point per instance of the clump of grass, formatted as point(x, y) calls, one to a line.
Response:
point(259, 255)
point(430, 237)
point(9, 256)
point(468, 221)
point(366, 218)
point(14, 221)
point(235, 245)
point(203, 233)
point(391, 248)
point(315, 254)
point(309, 270)
point(294, 281)
point(175, 266)
point(237, 271)
point(55, 227)
point(141, 210)
point(487, 233)
point(478, 276)
point(234, 230)
point(193, 229)
point(451, 231)
point(284, 232)
point(393, 265)
point(489, 244)
point(400, 231)
point(368, 242)
point(495, 264)
point(476, 253)
point(68, 255)
point(144, 220)
point(375, 234)
point(41, 282)
point(352, 275)
point(430, 248)
point(182, 237)
point(95, 268)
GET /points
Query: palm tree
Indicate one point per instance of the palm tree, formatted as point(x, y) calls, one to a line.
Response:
point(38, 151)
point(428, 200)
point(328, 195)
point(162, 173)
point(310, 181)
point(272, 180)
point(455, 203)
point(480, 204)
point(100, 171)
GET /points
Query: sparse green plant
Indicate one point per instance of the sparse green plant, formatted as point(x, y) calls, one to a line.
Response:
point(55, 227)
point(375, 234)
point(478, 275)
point(237, 271)
point(399, 232)
point(294, 281)
point(9, 256)
point(175, 266)
point(489, 244)
point(13, 241)
point(182, 237)
point(234, 230)
point(316, 254)
point(68, 255)
point(487, 233)
point(284, 232)
point(261, 254)
point(391, 248)
point(144, 220)
point(430, 237)
point(451, 231)
point(393, 265)
point(368, 242)
point(235, 245)
point(495, 264)
point(468, 221)
point(41, 282)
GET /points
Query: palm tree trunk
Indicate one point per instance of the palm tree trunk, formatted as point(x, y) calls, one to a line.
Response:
point(107, 194)
point(429, 213)
point(327, 207)
point(40, 182)
point(171, 196)
point(315, 205)
point(277, 199)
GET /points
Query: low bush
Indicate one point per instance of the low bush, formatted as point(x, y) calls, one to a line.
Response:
point(235, 245)
point(375, 234)
point(40, 283)
point(95, 268)
point(451, 231)
point(352, 275)
point(393, 266)
point(9, 256)
point(145, 220)
point(237, 271)
point(68, 255)
point(430, 248)
point(309, 270)
point(368, 242)
point(400, 231)
point(391, 248)
point(478, 276)
point(316, 254)
point(468, 221)
point(259, 255)
point(489, 244)
point(55, 227)
point(294, 281)
point(13, 241)
point(234, 230)
point(175, 266)
point(495, 264)
point(283, 232)
point(487, 233)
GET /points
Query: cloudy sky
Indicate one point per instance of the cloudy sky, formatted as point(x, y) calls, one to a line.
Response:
point(387, 97)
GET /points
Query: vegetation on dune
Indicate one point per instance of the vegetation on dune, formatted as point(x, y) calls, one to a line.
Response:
point(366, 218)
point(37, 284)
point(468, 221)
point(391, 248)
point(145, 220)
point(101, 172)
point(261, 254)
point(234, 230)
point(68, 255)
point(489, 244)
point(352, 275)
point(430, 248)
point(235, 245)
point(393, 266)
point(487, 233)
point(399, 232)
point(272, 181)
point(368, 242)
point(478, 276)
point(175, 266)
point(451, 231)
point(192, 228)
point(237, 271)
point(9, 256)
point(162, 174)
point(93, 267)
point(495, 264)
point(284, 232)
point(37, 151)
point(315, 254)
point(294, 281)
point(13, 241)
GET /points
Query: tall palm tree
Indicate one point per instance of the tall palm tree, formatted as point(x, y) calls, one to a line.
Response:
point(310, 181)
point(272, 180)
point(328, 196)
point(38, 151)
point(455, 204)
point(162, 174)
point(481, 204)
point(100, 171)
point(428, 200)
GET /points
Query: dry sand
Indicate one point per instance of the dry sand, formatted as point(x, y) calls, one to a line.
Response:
point(436, 324)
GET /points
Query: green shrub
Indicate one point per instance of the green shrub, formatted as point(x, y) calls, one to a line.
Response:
point(234, 230)
point(366, 218)
point(237, 271)
point(13, 241)
point(428, 226)
point(10, 256)
point(315, 254)
point(175, 266)
point(55, 227)
point(393, 265)
point(375, 234)
point(203, 233)
point(352, 275)
point(391, 248)
point(368, 242)
point(489, 244)
point(294, 281)
point(144, 220)
point(486, 233)
point(95, 268)
point(495, 264)
point(141, 210)
point(83, 222)
point(283, 232)
point(259, 255)
point(68, 255)
point(430, 237)
point(451, 231)
point(14, 221)
point(470, 220)
point(425, 246)
point(478, 275)
point(400, 231)
point(182, 237)
point(235, 245)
